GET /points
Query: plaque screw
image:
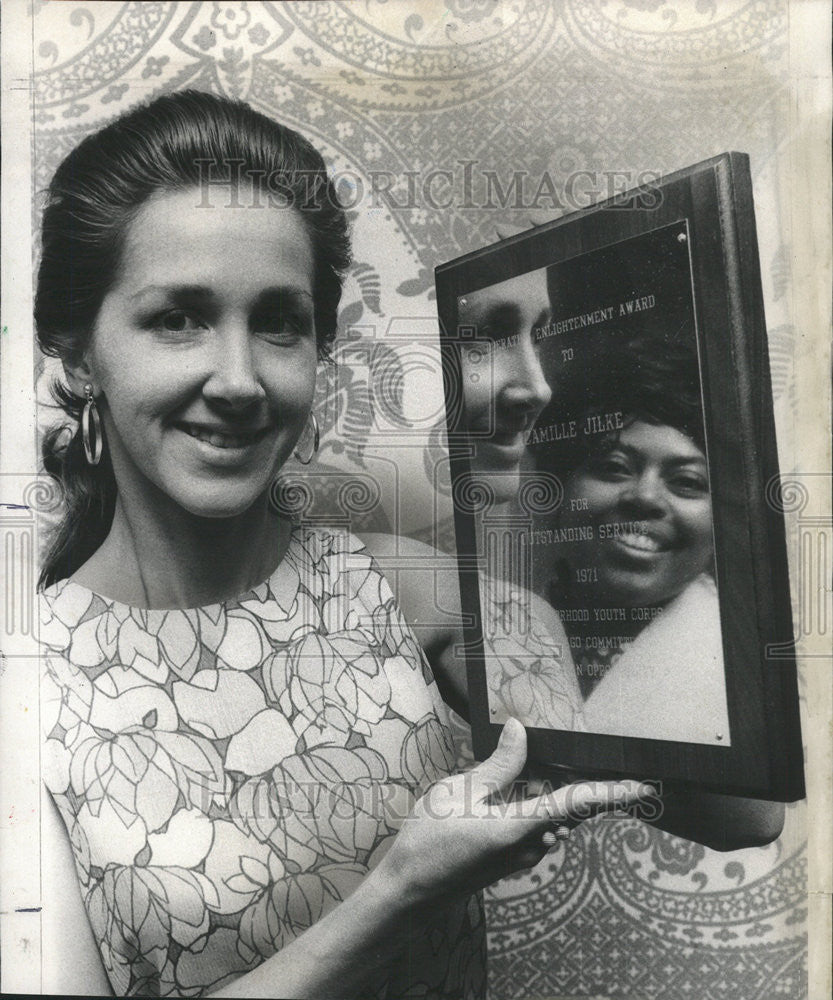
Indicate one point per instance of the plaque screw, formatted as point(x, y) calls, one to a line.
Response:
point(464, 302)
point(719, 736)
point(681, 237)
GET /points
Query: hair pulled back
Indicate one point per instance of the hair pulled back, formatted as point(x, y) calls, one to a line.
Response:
point(647, 377)
point(179, 141)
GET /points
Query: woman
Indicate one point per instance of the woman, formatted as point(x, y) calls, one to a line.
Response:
point(528, 668)
point(245, 745)
point(635, 569)
point(504, 387)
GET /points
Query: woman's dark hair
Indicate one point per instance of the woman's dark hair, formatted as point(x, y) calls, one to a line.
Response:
point(179, 141)
point(647, 377)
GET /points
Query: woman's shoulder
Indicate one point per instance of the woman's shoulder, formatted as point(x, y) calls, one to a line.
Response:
point(701, 592)
point(329, 550)
point(64, 607)
point(383, 545)
point(670, 682)
point(49, 596)
point(326, 539)
point(424, 582)
point(331, 558)
point(691, 619)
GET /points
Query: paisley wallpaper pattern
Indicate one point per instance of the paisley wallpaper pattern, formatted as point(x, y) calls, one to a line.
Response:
point(425, 111)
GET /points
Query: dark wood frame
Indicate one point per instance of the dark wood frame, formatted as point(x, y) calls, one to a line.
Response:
point(715, 198)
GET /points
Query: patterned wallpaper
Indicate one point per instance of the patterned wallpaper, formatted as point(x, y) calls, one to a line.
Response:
point(429, 112)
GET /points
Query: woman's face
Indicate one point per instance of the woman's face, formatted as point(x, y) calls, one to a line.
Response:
point(503, 385)
point(648, 502)
point(205, 352)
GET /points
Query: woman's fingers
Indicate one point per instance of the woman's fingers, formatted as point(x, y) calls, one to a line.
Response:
point(464, 834)
point(566, 806)
point(574, 803)
point(559, 832)
point(497, 772)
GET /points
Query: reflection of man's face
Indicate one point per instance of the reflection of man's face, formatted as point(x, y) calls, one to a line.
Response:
point(653, 484)
point(503, 385)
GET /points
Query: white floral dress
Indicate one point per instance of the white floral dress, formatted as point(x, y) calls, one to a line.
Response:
point(228, 774)
point(529, 670)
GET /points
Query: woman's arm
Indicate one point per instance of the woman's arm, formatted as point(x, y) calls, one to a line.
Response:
point(426, 586)
point(71, 962)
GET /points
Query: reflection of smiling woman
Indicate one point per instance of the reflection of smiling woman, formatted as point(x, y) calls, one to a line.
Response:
point(528, 668)
point(636, 577)
point(647, 499)
point(504, 388)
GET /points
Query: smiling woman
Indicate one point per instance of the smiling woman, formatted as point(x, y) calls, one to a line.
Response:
point(635, 573)
point(136, 297)
point(243, 741)
point(645, 494)
point(504, 388)
point(208, 380)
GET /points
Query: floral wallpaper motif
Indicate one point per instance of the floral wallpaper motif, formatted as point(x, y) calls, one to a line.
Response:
point(425, 111)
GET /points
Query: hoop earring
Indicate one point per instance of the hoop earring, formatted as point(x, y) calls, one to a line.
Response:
point(91, 420)
point(312, 427)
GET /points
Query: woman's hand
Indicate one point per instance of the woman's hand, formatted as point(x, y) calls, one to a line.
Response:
point(719, 822)
point(466, 832)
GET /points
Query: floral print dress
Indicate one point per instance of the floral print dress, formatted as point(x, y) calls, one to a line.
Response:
point(228, 774)
point(529, 670)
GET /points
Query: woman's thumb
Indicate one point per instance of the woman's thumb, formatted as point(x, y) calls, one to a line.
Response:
point(507, 762)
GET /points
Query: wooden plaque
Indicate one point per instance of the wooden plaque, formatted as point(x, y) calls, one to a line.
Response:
point(623, 570)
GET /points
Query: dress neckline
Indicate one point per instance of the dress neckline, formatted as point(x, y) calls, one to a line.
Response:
point(294, 544)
